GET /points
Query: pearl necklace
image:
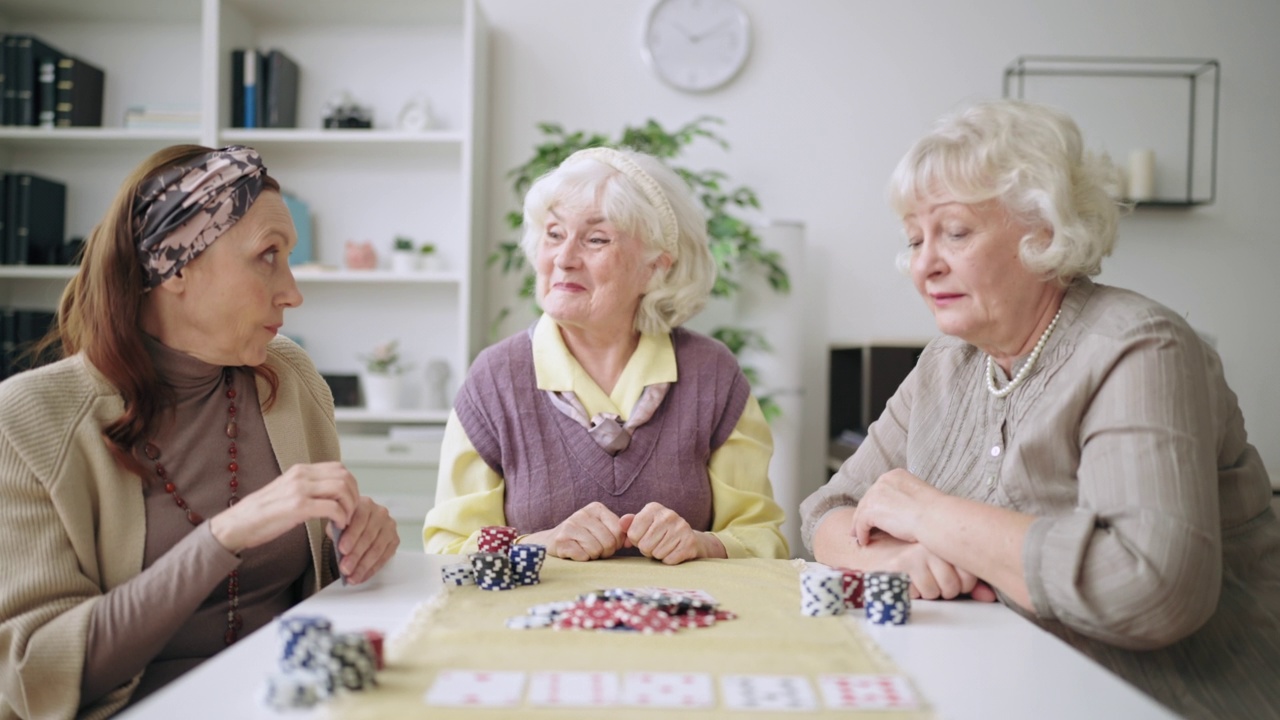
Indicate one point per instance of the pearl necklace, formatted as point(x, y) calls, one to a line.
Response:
point(1026, 366)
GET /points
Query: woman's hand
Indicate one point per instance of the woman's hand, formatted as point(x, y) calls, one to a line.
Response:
point(591, 533)
point(931, 577)
point(662, 534)
point(368, 541)
point(304, 491)
point(895, 503)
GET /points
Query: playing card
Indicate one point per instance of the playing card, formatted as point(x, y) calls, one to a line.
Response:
point(867, 692)
point(668, 690)
point(471, 688)
point(767, 692)
point(573, 689)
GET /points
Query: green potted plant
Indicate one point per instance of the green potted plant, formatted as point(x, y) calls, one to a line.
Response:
point(403, 259)
point(735, 246)
point(380, 378)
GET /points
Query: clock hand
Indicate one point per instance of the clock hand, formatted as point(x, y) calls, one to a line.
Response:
point(714, 29)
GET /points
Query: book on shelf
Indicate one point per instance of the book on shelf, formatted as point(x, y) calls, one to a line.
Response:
point(19, 330)
point(264, 89)
point(282, 90)
point(78, 99)
point(35, 219)
point(32, 52)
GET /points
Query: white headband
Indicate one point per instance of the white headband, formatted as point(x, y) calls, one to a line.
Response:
point(652, 190)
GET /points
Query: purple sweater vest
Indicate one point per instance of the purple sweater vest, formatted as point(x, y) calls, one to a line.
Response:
point(552, 467)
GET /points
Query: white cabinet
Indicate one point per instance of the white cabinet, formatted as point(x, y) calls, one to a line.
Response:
point(360, 184)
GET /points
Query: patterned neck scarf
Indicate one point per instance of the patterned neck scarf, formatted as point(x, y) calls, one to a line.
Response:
point(181, 211)
point(609, 432)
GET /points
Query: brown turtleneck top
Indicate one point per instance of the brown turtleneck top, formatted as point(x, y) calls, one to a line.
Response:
point(173, 615)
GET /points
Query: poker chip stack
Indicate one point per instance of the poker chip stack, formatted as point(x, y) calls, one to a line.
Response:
point(644, 610)
point(496, 539)
point(458, 574)
point(298, 688)
point(822, 593)
point(352, 661)
point(375, 643)
point(888, 598)
point(852, 589)
point(493, 571)
point(306, 641)
point(526, 562)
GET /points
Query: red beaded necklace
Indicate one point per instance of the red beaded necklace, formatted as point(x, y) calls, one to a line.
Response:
point(152, 451)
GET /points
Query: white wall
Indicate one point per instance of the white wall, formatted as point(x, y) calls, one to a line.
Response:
point(836, 91)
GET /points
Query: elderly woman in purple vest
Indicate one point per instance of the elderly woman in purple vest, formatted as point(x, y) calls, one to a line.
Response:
point(606, 428)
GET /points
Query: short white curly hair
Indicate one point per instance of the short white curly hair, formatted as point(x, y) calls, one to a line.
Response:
point(1031, 158)
point(673, 296)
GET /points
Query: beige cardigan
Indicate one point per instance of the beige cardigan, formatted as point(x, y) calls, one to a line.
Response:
point(72, 522)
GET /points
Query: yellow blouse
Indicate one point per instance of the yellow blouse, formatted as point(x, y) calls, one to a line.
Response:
point(469, 494)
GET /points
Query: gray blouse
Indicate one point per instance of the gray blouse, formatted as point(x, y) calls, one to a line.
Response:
point(1154, 550)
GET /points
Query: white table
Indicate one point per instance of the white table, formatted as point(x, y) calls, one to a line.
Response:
point(973, 661)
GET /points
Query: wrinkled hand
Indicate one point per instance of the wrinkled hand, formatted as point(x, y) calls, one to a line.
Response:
point(591, 533)
point(895, 503)
point(662, 534)
point(368, 541)
point(303, 492)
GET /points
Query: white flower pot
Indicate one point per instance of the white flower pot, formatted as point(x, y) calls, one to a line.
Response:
point(430, 262)
point(403, 261)
point(381, 392)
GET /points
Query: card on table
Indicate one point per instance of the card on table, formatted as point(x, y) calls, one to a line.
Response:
point(473, 688)
point(573, 689)
point(867, 692)
point(767, 692)
point(668, 690)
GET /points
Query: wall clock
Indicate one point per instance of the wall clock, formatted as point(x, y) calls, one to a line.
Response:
point(697, 45)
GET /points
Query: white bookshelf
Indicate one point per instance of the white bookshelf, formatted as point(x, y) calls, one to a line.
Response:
point(360, 184)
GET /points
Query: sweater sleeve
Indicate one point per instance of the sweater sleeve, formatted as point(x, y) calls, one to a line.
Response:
point(46, 602)
point(746, 518)
point(1138, 563)
point(131, 623)
point(469, 496)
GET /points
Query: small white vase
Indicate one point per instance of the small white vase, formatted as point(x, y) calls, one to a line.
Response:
point(381, 392)
point(403, 261)
point(430, 262)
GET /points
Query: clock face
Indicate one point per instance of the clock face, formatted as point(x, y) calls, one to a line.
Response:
point(697, 44)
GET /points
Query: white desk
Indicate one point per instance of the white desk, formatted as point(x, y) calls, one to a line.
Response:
point(973, 661)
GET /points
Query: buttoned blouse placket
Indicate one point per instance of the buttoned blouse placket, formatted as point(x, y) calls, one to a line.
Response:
point(992, 451)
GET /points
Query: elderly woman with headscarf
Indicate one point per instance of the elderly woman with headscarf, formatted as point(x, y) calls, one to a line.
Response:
point(164, 489)
point(1071, 445)
point(607, 428)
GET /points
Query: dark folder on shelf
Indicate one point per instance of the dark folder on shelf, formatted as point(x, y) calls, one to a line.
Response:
point(282, 91)
point(79, 93)
point(36, 219)
point(32, 53)
point(237, 88)
point(10, 99)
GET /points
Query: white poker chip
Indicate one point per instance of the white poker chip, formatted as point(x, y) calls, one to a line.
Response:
point(529, 622)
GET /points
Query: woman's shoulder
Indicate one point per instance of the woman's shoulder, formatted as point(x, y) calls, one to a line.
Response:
point(65, 383)
point(687, 342)
point(1118, 314)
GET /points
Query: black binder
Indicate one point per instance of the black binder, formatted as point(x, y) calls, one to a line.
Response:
point(282, 91)
point(79, 94)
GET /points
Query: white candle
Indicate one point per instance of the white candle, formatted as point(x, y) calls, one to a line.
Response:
point(1142, 174)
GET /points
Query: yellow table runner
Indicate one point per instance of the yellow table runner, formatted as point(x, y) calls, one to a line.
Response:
point(465, 630)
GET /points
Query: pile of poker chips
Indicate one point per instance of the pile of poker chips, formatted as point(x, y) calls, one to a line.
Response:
point(315, 662)
point(888, 598)
point(651, 611)
point(500, 564)
point(825, 592)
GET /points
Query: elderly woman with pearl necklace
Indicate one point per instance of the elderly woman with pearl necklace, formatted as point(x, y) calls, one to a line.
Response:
point(1067, 448)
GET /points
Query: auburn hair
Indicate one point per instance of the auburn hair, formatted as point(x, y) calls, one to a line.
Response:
point(100, 313)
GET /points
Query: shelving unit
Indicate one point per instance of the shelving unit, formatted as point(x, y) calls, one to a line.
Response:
point(360, 184)
point(1122, 103)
